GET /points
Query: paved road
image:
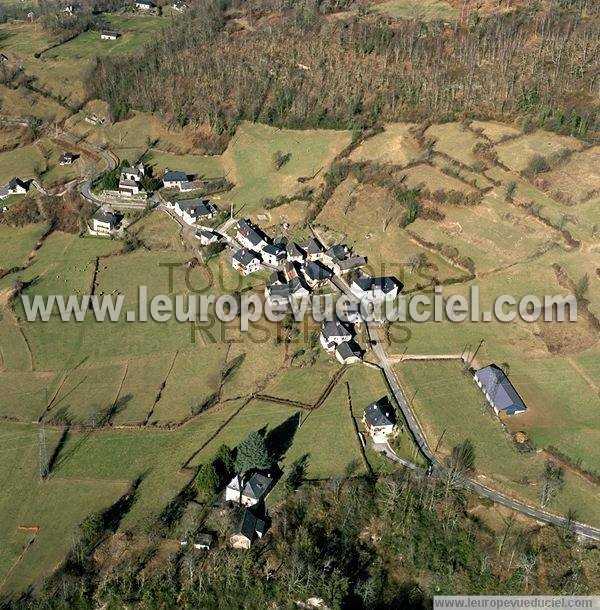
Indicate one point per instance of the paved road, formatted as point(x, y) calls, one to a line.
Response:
point(436, 465)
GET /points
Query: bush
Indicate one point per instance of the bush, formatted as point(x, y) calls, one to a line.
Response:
point(537, 165)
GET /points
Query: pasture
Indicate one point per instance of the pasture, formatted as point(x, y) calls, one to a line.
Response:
point(248, 162)
point(395, 145)
point(456, 141)
point(518, 152)
point(451, 409)
point(427, 10)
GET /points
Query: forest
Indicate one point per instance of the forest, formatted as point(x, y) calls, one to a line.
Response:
point(296, 65)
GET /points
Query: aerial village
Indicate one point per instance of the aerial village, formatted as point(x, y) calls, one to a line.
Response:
point(297, 270)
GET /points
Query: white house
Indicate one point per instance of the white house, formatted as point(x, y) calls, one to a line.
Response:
point(333, 333)
point(16, 186)
point(207, 237)
point(128, 188)
point(250, 236)
point(254, 488)
point(348, 352)
point(316, 274)
point(295, 253)
point(376, 288)
point(272, 254)
point(109, 35)
point(174, 180)
point(249, 527)
point(245, 261)
point(379, 419)
point(193, 210)
point(104, 222)
point(314, 250)
point(144, 5)
point(67, 158)
point(133, 173)
point(347, 264)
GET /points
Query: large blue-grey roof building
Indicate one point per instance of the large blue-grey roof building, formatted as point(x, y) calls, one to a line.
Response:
point(499, 391)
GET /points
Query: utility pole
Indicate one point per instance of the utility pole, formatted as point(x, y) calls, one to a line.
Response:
point(43, 452)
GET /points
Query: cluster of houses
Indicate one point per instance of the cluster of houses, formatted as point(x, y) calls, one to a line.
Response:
point(247, 491)
point(15, 186)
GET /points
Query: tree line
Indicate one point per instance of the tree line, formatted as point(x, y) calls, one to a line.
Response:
point(296, 67)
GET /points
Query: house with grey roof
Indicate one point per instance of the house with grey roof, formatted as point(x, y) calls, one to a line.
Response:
point(250, 236)
point(348, 352)
point(314, 250)
point(295, 253)
point(67, 158)
point(379, 419)
point(376, 288)
point(248, 490)
point(104, 222)
point(499, 391)
point(193, 210)
point(249, 527)
point(15, 186)
point(200, 541)
point(333, 332)
point(206, 237)
point(109, 35)
point(279, 293)
point(173, 180)
point(245, 261)
point(316, 274)
point(272, 254)
point(342, 266)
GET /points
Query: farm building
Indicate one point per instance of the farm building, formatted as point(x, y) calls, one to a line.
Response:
point(3, 58)
point(16, 186)
point(193, 210)
point(109, 35)
point(173, 180)
point(245, 261)
point(348, 352)
point(333, 333)
point(376, 288)
point(253, 489)
point(144, 5)
point(249, 527)
point(499, 391)
point(379, 419)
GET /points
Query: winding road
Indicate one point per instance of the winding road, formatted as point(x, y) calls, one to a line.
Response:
point(436, 466)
